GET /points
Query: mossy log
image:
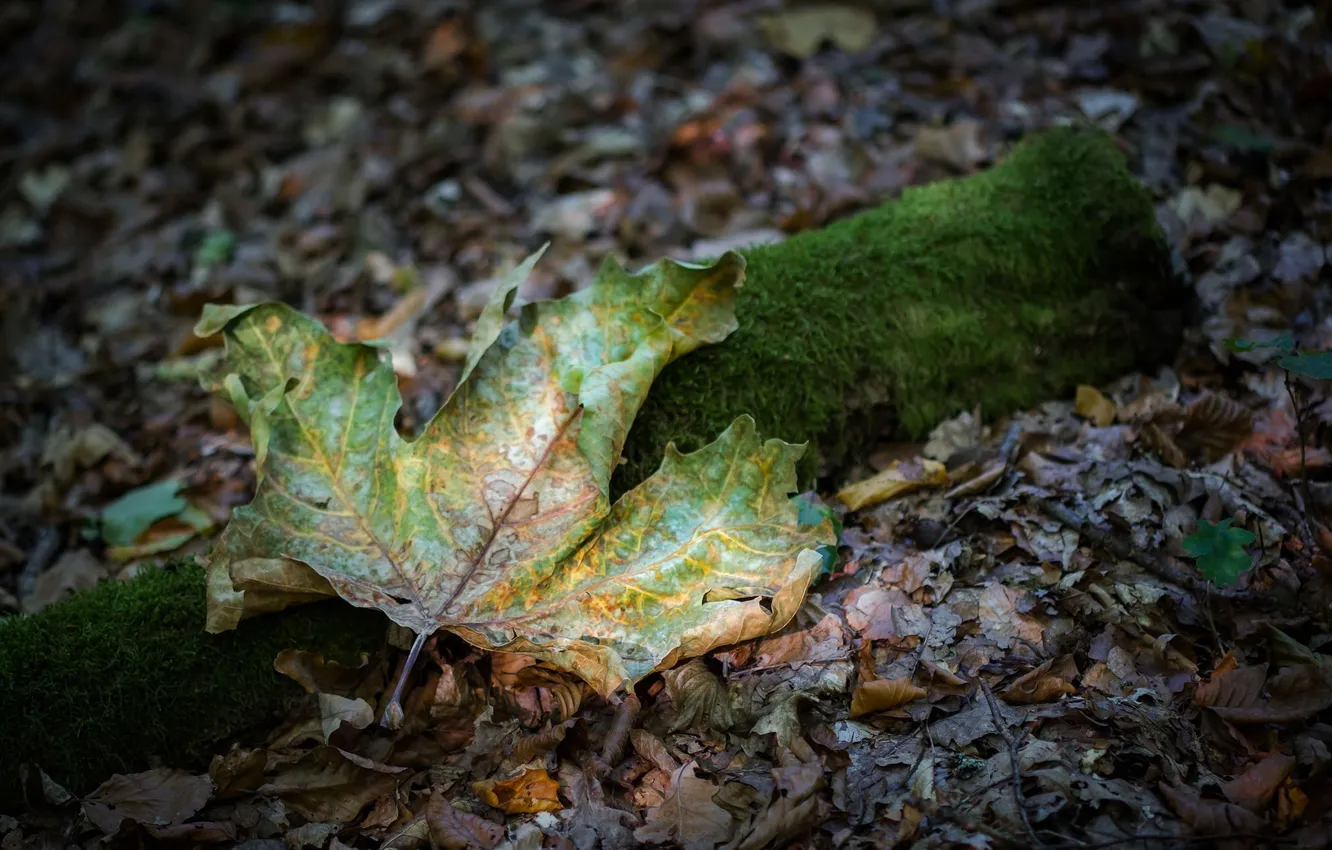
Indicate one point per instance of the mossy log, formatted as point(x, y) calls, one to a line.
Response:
point(1000, 289)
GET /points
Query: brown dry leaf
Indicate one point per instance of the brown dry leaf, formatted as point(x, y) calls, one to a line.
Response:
point(1210, 817)
point(451, 829)
point(1091, 404)
point(1240, 687)
point(158, 797)
point(1214, 426)
point(446, 43)
point(1254, 788)
point(238, 772)
point(1164, 445)
point(1043, 684)
point(1297, 693)
point(74, 570)
point(901, 476)
point(795, 807)
point(1002, 620)
point(330, 785)
point(318, 675)
point(687, 816)
point(883, 694)
point(532, 791)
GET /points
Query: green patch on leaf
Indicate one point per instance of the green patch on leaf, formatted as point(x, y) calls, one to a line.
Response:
point(1219, 549)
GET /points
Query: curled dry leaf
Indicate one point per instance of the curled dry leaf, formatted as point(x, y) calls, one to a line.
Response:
point(901, 476)
point(1294, 693)
point(335, 711)
point(1043, 684)
point(883, 694)
point(1254, 788)
point(159, 797)
point(1214, 426)
point(318, 675)
point(1210, 817)
point(495, 523)
point(530, 792)
point(795, 807)
point(698, 698)
point(451, 829)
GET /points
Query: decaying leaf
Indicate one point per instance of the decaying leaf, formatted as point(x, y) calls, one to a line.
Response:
point(451, 829)
point(158, 797)
point(495, 523)
point(1254, 788)
point(1043, 684)
point(795, 807)
point(1210, 817)
point(330, 785)
point(883, 694)
point(687, 817)
point(530, 792)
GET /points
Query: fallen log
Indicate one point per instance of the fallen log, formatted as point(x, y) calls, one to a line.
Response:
point(1000, 289)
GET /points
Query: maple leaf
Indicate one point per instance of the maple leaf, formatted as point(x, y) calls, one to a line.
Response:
point(495, 523)
point(1220, 550)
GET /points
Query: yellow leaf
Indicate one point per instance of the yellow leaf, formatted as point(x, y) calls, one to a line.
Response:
point(533, 791)
point(900, 477)
point(1091, 404)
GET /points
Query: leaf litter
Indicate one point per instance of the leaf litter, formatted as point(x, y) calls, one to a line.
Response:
point(1082, 681)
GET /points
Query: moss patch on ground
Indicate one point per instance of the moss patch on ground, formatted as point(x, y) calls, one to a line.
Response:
point(124, 673)
point(1002, 289)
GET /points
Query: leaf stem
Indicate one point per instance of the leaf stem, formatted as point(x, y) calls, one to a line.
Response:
point(395, 701)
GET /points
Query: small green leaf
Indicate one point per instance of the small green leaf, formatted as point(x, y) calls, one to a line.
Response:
point(215, 249)
point(1310, 364)
point(1282, 342)
point(129, 516)
point(1220, 550)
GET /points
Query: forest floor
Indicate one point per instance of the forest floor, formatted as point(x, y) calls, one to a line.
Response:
point(1028, 654)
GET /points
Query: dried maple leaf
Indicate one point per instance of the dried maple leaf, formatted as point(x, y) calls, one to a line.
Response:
point(495, 523)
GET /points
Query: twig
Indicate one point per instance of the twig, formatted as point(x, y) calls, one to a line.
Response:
point(1014, 744)
point(794, 665)
point(616, 738)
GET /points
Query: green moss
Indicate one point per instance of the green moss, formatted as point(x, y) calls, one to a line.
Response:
point(123, 673)
point(1001, 289)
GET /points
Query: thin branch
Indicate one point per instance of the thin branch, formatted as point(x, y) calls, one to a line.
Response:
point(1014, 744)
